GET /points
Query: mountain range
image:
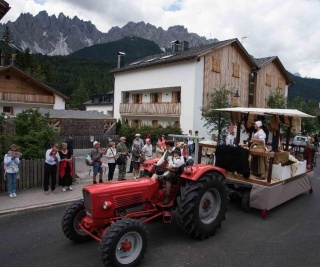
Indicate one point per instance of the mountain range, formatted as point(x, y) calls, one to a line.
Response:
point(51, 35)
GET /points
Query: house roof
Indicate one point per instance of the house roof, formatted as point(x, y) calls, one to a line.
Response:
point(74, 114)
point(261, 62)
point(189, 54)
point(4, 8)
point(100, 99)
point(47, 86)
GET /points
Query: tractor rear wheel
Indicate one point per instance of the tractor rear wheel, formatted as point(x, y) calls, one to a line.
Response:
point(124, 244)
point(69, 223)
point(202, 205)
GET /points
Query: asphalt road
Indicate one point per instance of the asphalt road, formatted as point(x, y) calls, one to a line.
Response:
point(289, 236)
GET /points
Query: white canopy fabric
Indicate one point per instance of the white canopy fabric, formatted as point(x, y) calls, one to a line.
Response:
point(269, 111)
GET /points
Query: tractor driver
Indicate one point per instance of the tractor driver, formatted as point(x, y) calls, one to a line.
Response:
point(167, 155)
point(175, 162)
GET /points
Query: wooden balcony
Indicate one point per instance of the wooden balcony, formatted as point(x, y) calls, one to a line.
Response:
point(27, 98)
point(159, 109)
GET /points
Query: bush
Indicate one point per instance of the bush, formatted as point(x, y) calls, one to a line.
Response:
point(156, 133)
point(33, 133)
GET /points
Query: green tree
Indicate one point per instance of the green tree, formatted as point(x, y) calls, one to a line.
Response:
point(79, 96)
point(277, 99)
point(217, 120)
point(6, 40)
point(308, 125)
point(33, 133)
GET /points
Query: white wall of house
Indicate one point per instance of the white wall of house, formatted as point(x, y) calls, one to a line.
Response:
point(59, 102)
point(19, 107)
point(104, 109)
point(186, 75)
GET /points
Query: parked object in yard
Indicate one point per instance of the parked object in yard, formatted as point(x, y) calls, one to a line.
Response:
point(115, 213)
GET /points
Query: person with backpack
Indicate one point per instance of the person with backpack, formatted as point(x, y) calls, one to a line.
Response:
point(96, 156)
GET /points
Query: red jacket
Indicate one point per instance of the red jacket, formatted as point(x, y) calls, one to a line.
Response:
point(62, 168)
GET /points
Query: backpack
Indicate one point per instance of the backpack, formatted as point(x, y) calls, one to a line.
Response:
point(121, 160)
point(88, 160)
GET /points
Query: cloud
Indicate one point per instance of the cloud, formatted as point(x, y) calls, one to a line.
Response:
point(287, 29)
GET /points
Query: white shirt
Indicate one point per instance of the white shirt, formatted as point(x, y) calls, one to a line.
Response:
point(110, 155)
point(260, 134)
point(50, 159)
point(147, 149)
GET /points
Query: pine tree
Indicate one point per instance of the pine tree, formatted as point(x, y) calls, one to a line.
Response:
point(6, 40)
point(79, 96)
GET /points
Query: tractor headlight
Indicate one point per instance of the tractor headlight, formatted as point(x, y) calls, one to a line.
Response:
point(105, 205)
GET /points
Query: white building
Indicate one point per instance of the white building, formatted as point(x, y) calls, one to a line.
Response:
point(172, 87)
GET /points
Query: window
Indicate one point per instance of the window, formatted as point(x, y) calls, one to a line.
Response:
point(155, 98)
point(8, 110)
point(125, 96)
point(281, 83)
point(252, 79)
point(8, 77)
point(268, 80)
point(236, 70)
point(176, 97)
point(216, 65)
point(136, 123)
point(155, 123)
point(137, 98)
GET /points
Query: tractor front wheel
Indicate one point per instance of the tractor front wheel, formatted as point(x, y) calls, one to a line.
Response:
point(202, 205)
point(70, 220)
point(124, 244)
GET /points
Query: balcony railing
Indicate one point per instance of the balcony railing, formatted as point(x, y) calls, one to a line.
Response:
point(151, 109)
point(26, 98)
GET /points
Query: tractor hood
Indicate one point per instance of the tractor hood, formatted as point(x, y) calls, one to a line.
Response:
point(117, 194)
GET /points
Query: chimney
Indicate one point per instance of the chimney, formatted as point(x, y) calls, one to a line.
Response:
point(184, 45)
point(175, 46)
point(121, 59)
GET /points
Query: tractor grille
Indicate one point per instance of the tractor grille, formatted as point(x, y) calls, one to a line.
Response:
point(87, 201)
point(127, 200)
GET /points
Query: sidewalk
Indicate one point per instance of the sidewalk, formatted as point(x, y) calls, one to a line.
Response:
point(34, 198)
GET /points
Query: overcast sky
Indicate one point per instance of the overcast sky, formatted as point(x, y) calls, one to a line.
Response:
point(288, 29)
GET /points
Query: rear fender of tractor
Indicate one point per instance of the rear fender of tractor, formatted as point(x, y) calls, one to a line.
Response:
point(195, 172)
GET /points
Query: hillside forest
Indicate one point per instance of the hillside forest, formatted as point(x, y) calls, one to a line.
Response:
point(86, 71)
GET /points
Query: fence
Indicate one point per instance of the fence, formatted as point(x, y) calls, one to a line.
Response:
point(83, 142)
point(31, 174)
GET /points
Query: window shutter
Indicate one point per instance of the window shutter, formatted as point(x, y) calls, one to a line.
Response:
point(236, 70)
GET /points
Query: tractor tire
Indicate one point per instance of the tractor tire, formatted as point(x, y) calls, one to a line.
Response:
point(202, 205)
point(245, 201)
point(124, 244)
point(69, 223)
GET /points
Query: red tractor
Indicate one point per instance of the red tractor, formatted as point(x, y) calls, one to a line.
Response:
point(115, 213)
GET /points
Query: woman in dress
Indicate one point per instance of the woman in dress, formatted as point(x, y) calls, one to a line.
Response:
point(65, 168)
point(258, 164)
point(110, 154)
point(11, 161)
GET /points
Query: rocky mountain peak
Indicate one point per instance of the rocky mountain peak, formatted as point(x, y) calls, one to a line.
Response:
point(63, 35)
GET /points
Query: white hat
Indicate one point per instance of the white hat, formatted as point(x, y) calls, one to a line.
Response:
point(258, 123)
point(137, 135)
point(95, 143)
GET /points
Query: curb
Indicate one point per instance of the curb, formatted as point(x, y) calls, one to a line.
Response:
point(52, 204)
